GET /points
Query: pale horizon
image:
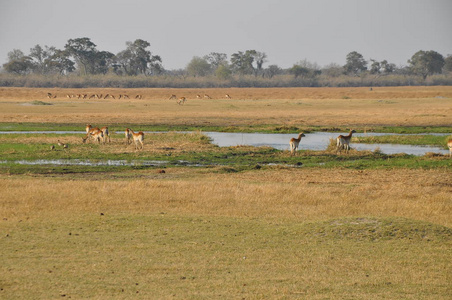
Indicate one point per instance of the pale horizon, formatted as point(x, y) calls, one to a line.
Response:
point(321, 32)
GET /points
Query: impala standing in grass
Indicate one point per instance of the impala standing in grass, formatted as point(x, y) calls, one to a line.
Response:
point(343, 142)
point(138, 138)
point(294, 142)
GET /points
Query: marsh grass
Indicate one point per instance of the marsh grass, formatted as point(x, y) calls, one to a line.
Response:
point(432, 140)
point(266, 234)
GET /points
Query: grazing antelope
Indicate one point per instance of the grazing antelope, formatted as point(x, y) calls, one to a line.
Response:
point(198, 96)
point(172, 97)
point(343, 142)
point(137, 138)
point(60, 143)
point(126, 96)
point(227, 96)
point(92, 96)
point(105, 132)
point(94, 133)
point(207, 96)
point(106, 96)
point(128, 135)
point(50, 96)
point(65, 146)
point(138, 96)
point(52, 148)
point(181, 100)
point(294, 142)
point(449, 144)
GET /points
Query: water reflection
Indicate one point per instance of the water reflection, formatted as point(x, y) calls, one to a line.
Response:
point(313, 141)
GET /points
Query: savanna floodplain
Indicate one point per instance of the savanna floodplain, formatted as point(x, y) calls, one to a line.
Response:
point(186, 219)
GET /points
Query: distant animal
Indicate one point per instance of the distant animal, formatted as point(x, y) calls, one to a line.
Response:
point(343, 141)
point(106, 134)
point(128, 134)
point(181, 100)
point(138, 138)
point(95, 133)
point(52, 148)
point(294, 142)
point(227, 96)
point(449, 144)
point(172, 97)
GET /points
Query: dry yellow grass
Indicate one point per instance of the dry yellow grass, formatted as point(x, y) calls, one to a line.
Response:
point(281, 194)
point(393, 106)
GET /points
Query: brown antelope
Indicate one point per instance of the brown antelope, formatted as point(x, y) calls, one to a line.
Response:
point(343, 142)
point(106, 134)
point(94, 133)
point(128, 135)
point(227, 96)
point(50, 96)
point(181, 100)
point(137, 138)
point(172, 97)
point(449, 144)
point(294, 142)
point(207, 96)
point(92, 96)
point(138, 96)
point(198, 96)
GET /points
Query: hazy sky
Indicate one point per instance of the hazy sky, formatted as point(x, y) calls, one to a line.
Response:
point(288, 31)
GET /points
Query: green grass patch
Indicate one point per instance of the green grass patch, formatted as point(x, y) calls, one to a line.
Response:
point(432, 140)
point(158, 255)
point(269, 128)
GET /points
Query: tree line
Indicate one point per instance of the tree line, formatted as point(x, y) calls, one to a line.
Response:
point(80, 56)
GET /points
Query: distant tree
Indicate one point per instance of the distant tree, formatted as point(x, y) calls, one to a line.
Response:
point(61, 63)
point(102, 62)
point(242, 62)
point(223, 72)
point(355, 63)
point(84, 52)
point(198, 67)
point(137, 59)
point(18, 63)
point(448, 63)
point(217, 59)
point(260, 58)
point(272, 70)
point(426, 63)
point(305, 69)
point(333, 70)
point(299, 71)
point(381, 68)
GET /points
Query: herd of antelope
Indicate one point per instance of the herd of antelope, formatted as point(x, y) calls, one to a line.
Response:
point(95, 96)
point(182, 100)
point(102, 135)
point(342, 142)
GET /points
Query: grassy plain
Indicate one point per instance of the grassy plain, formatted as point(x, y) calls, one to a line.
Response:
point(313, 226)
